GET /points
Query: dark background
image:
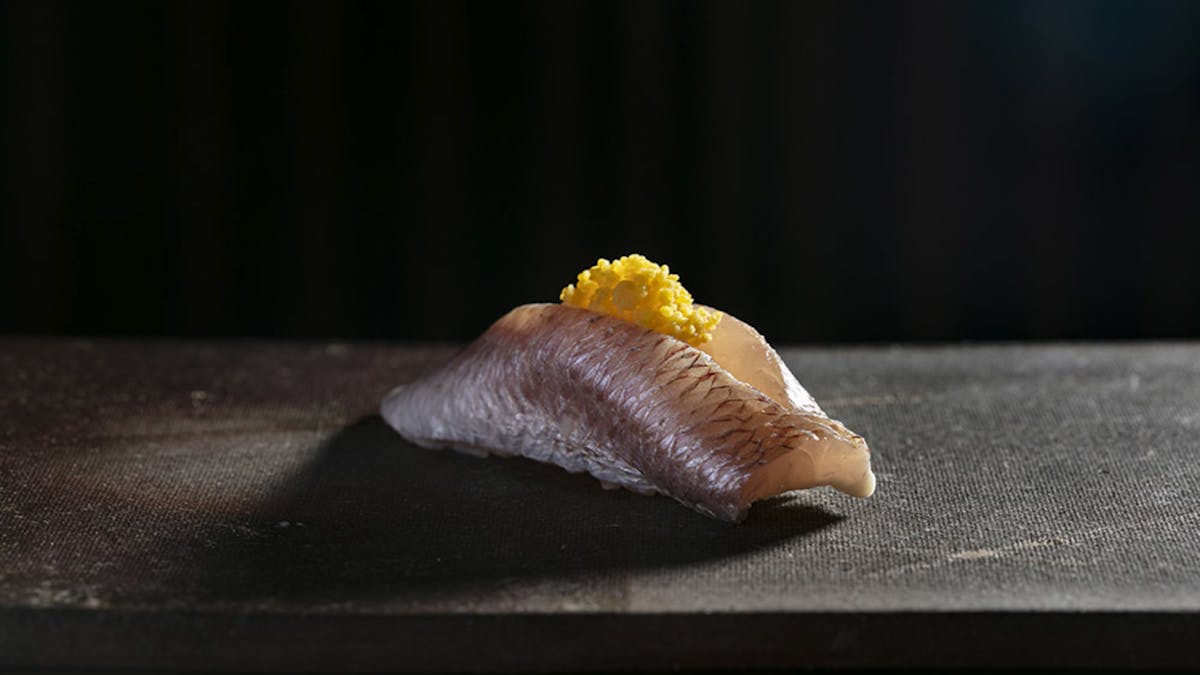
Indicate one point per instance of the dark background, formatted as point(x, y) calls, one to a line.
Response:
point(826, 171)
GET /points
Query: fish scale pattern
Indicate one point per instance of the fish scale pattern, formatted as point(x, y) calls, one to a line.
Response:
point(634, 408)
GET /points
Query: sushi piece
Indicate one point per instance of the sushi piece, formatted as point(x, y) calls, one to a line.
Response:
point(632, 382)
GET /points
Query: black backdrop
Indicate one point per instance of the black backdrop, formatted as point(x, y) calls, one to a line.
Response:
point(827, 171)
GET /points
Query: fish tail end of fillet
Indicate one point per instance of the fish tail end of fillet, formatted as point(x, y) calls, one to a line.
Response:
point(862, 487)
point(843, 464)
point(846, 467)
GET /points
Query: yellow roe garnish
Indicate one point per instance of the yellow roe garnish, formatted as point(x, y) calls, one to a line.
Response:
point(634, 289)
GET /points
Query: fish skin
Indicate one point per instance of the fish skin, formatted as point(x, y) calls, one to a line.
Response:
point(634, 408)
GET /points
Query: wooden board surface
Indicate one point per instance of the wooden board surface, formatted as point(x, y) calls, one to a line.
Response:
point(240, 506)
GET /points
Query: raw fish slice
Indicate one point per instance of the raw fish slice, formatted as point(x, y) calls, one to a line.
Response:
point(742, 351)
point(636, 409)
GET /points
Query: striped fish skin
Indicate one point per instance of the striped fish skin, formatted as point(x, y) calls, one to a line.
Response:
point(634, 408)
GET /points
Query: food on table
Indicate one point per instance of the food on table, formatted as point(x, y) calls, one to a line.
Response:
point(632, 382)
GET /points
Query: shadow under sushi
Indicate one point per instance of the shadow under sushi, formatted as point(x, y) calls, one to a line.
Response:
point(375, 517)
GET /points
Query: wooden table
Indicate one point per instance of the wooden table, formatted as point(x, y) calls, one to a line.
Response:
point(240, 506)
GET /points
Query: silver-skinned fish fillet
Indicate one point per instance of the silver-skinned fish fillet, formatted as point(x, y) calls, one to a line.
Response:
point(716, 427)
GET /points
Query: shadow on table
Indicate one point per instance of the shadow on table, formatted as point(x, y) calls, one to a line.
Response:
point(375, 517)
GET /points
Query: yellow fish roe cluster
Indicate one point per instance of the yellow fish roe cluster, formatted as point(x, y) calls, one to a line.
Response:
point(635, 289)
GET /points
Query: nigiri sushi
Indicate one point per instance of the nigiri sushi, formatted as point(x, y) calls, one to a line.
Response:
point(632, 382)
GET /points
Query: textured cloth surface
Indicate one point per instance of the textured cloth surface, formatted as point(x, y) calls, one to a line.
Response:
point(254, 477)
